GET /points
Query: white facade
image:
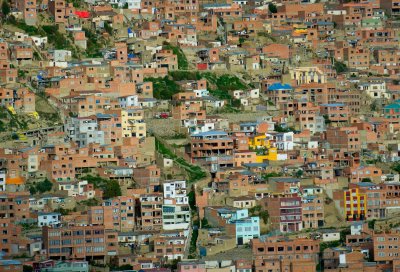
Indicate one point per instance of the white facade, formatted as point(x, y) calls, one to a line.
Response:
point(62, 55)
point(132, 4)
point(128, 101)
point(2, 181)
point(75, 189)
point(204, 127)
point(49, 219)
point(331, 236)
point(33, 163)
point(201, 92)
point(40, 203)
point(19, 36)
point(375, 89)
point(255, 93)
point(84, 131)
point(176, 217)
point(283, 141)
point(175, 190)
point(39, 41)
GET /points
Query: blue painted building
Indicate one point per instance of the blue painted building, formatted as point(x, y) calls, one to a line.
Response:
point(247, 229)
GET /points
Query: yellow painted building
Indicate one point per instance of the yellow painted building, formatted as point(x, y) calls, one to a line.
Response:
point(300, 29)
point(133, 124)
point(263, 142)
point(259, 141)
point(355, 204)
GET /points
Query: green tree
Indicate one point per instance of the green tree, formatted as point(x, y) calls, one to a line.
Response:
point(396, 167)
point(32, 190)
point(272, 8)
point(371, 224)
point(340, 67)
point(299, 173)
point(112, 189)
point(236, 103)
point(44, 186)
point(125, 267)
point(108, 28)
point(5, 8)
point(27, 268)
point(192, 200)
point(271, 175)
point(366, 180)
point(264, 215)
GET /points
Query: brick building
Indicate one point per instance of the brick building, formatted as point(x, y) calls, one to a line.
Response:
point(93, 242)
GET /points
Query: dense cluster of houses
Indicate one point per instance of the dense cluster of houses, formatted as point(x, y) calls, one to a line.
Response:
point(299, 186)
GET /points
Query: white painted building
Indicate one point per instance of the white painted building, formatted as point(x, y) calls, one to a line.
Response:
point(128, 101)
point(176, 210)
point(330, 235)
point(175, 191)
point(76, 188)
point(33, 163)
point(84, 131)
point(62, 55)
point(375, 89)
point(2, 181)
point(49, 219)
point(39, 41)
point(175, 217)
point(282, 140)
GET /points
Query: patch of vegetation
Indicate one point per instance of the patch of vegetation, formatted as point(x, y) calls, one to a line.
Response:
point(27, 268)
point(279, 128)
point(326, 119)
point(56, 38)
point(5, 8)
point(272, 8)
point(340, 67)
point(205, 224)
point(110, 188)
point(90, 202)
point(163, 88)
point(325, 245)
point(28, 226)
point(366, 180)
point(258, 211)
point(63, 211)
point(93, 44)
point(185, 75)
point(343, 234)
point(192, 200)
point(194, 172)
point(371, 224)
point(271, 175)
point(108, 28)
point(183, 63)
point(41, 187)
point(31, 30)
point(76, 3)
point(124, 267)
point(177, 136)
point(193, 241)
point(299, 173)
point(396, 167)
point(225, 82)
point(267, 35)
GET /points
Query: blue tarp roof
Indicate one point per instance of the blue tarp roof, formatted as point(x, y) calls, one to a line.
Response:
point(279, 86)
point(211, 133)
point(333, 105)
